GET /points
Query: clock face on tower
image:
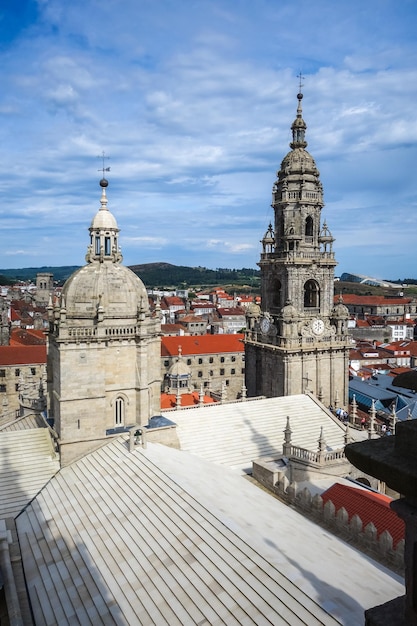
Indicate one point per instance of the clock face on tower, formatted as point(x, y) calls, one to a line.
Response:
point(317, 326)
point(265, 324)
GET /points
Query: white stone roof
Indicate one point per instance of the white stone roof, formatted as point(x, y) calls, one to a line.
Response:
point(24, 422)
point(159, 536)
point(28, 461)
point(235, 434)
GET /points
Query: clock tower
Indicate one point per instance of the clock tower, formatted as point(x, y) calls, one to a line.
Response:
point(300, 342)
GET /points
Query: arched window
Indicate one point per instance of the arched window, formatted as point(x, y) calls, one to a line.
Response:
point(309, 226)
point(311, 294)
point(276, 294)
point(119, 412)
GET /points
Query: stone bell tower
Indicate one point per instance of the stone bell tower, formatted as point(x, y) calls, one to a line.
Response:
point(300, 341)
point(104, 347)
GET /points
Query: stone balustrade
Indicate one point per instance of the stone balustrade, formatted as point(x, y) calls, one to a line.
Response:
point(366, 538)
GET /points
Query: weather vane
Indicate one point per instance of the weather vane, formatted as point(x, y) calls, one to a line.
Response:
point(104, 168)
point(300, 77)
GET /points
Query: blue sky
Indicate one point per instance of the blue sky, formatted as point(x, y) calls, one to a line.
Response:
point(193, 100)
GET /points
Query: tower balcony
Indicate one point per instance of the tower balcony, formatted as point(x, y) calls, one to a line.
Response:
point(301, 255)
point(296, 343)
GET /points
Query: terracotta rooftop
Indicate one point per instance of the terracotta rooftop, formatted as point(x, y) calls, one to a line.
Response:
point(351, 298)
point(22, 355)
point(203, 344)
point(230, 311)
point(369, 506)
point(27, 337)
point(169, 400)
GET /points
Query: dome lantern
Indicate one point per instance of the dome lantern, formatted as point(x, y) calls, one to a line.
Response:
point(104, 233)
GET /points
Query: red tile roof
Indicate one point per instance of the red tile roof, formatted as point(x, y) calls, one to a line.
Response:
point(169, 400)
point(230, 311)
point(351, 298)
point(22, 355)
point(173, 301)
point(192, 318)
point(172, 328)
point(369, 506)
point(203, 344)
point(27, 337)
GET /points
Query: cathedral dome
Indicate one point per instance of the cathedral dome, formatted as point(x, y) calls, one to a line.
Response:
point(104, 219)
point(299, 161)
point(179, 369)
point(110, 287)
point(103, 289)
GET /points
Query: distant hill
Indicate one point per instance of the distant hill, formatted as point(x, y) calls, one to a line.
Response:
point(153, 275)
point(29, 273)
point(168, 275)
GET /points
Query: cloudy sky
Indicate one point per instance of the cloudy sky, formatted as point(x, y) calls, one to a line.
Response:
point(192, 101)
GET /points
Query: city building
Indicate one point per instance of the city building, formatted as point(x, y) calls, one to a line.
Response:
point(396, 307)
point(22, 370)
point(214, 361)
point(301, 340)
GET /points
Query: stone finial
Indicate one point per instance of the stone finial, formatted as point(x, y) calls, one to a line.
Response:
point(347, 437)
point(224, 392)
point(393, 418)
point(243, 392)
point(286, 448)
point(372, 415)
point(354, 413)
point(321, 440)
point(201, 395)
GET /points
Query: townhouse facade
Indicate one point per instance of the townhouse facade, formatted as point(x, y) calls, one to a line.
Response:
point(216, 362)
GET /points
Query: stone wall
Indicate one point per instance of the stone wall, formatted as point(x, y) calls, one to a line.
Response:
point(364, 538)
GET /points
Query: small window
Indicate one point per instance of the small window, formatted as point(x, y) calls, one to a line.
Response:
point(200, 374)
point(222, 371)
point(33, 371)
point(2, 373)
point(222, 359)
point(119, 412)
point(243, 370)
point(17, 372)
point(243, 357)
point(107, 249)
point(211, 359)
point(2, 388)
point(233, 359)
point(233, 371)
point(200, 361)
point(97, 240)
point(211, 373)
point(166, 363)
point(16, 387)
point(188, 361)
point(227, 382)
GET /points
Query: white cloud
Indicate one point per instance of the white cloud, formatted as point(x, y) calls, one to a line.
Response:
point(194, 105)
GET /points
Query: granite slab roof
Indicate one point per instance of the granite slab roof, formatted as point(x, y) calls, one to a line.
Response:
point(28, 461)
point(159, 536)
point(234, 434)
